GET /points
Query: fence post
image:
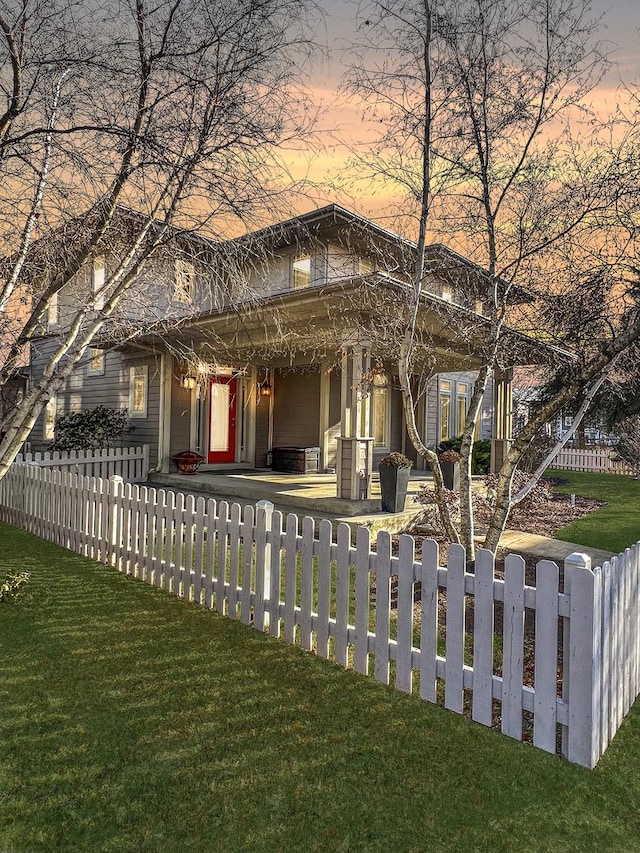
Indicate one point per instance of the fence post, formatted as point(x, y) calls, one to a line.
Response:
point(264, 515)
point(582, 662)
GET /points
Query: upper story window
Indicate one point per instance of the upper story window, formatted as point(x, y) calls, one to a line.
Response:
point(365, 266)
point(184, 281)
point(301, 271)
point(98, 275)
point(447, 292)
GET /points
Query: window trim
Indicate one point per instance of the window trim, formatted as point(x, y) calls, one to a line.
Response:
point(94, 354)
point(306, 282)
point(384, 392)
point(50, 418)
point(184, 281)
point(138, 371)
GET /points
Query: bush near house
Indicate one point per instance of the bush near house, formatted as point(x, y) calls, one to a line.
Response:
point(481, 459)
point(92, 429)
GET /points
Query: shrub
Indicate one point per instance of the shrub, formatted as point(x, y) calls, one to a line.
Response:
point(92, 429)
point(12, 585)
point(481, 458)
point(397, 460)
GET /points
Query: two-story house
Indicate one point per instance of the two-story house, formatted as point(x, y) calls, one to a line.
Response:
point(286, 337)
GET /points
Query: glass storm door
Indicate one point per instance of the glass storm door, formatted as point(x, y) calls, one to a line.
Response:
point(222, 420)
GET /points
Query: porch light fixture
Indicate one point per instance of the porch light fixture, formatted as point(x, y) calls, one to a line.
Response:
point(264, 386)
point(189, 382)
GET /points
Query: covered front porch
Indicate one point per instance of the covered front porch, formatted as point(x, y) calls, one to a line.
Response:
point(304, 494)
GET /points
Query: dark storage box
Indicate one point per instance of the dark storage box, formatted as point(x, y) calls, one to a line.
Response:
point(296, 460)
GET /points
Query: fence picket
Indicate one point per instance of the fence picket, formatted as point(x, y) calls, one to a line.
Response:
point(406, 559)
point(483, 630)
point(247, 564)
point(324, 587)
point(429, 623)
point(343, 570)
point(234, 557)
point(306, 582)
point(363, 592)
point(383, 606)
point(454, 667)
point(546, 659)
point(513, 646)
point(290, 581)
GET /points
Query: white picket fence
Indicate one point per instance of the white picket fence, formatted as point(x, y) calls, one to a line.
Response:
point(335, 598)
point(596, 459)
point(130, 463)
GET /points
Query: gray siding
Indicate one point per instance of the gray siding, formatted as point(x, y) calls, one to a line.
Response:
point(180, 419)
point(85, 391)
point(296, 412)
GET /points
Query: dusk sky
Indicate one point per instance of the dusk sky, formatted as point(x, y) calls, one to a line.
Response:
point(619, 32)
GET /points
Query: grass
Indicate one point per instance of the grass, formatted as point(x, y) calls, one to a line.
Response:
point(613, 527)
point(132, 721)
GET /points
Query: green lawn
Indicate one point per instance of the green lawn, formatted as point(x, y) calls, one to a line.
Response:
point(615, 526)
point(132, 721)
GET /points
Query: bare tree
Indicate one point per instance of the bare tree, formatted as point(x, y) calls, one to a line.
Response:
point(123, 125)
point(478, 102)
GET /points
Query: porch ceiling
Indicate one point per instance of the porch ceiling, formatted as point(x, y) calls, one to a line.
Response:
point(316, 322)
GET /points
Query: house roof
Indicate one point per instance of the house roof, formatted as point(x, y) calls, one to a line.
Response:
point(320, 319)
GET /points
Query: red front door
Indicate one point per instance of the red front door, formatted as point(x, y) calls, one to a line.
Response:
point(222, 420)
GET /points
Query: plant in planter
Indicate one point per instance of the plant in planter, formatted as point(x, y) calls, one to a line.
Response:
point(394, 481)
point(450, 465)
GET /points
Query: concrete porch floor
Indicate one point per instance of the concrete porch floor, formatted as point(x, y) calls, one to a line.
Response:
point(304, 494)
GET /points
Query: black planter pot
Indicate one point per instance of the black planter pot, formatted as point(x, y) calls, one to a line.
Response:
point(394, 483)
point(451, 475)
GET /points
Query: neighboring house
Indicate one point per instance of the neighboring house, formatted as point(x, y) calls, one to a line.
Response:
point(527, 383)
point(282, 338)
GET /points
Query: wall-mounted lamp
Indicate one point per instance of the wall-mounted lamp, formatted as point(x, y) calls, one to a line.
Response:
point(189, 382)
point(264, 386)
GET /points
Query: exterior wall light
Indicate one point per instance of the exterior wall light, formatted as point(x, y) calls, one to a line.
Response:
point(189, 382)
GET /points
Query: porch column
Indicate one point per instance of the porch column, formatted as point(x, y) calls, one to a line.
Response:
point(355, 443)
point(502, 417)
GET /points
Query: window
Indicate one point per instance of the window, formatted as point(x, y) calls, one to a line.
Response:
point(365, 266)
point(138, 391)
point(444, 410)
point(462, 390)
point(52, 311)
point(301, 271)
point(97, 282)
point(184, 285)
point(95, 367)
point(447, 292)
point(380, 417)
point(50, 419)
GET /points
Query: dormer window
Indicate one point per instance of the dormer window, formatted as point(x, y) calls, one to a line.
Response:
point(301, 271)
point(184, 284)
point(97, 282)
